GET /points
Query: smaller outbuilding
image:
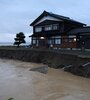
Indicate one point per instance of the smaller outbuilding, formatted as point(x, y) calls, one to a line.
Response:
point(83, 36)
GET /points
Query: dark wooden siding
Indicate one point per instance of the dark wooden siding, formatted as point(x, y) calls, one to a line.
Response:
point(64, 27)
point(43, 24)
point(69, 25)
point(84, 41)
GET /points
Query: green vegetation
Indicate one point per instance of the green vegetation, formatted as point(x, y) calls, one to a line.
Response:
point(20, 38)
point(11, 98)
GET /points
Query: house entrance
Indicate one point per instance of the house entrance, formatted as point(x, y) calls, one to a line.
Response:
point(43, 43)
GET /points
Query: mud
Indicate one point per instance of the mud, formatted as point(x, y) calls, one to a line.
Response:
point(18, 82)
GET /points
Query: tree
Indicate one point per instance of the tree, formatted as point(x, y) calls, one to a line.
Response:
point(20, 38)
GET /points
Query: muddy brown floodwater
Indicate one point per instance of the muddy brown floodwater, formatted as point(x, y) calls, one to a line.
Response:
point(18, 82)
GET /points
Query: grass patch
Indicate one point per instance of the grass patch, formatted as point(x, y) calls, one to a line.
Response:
point(10, 98)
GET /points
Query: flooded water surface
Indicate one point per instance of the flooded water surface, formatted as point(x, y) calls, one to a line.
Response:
point(18, 82)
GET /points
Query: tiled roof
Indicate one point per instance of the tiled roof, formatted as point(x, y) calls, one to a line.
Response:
point(79, 31)
point(45, 13)
point(64, 18)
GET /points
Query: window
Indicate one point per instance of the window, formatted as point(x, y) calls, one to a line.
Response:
point(57, 41)
point(34, 38)
point(80, 36)
point(51, 27)
point(34, 42)
point(56, 37)
point(55, 26)
point(48, 27)
point(37, 42)
point(38, 29)
point(72, 36)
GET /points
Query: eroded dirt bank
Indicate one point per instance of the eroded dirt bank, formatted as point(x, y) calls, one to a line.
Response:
point(51, 58)
point(18, 82)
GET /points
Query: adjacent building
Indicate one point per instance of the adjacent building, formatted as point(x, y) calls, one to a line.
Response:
point(56, 31)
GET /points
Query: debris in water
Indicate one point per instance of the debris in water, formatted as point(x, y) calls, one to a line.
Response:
point(43, 70)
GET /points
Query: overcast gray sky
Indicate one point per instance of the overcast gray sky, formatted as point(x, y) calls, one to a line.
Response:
point(16, 15)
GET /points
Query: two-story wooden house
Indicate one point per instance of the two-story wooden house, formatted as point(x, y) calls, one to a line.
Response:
point(52, 30)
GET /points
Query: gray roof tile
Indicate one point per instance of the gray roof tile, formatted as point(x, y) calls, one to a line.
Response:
point(79, 31)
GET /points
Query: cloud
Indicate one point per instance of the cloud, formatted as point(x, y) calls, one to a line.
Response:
point(7, 37)
point(16, 15)
point(10, 37)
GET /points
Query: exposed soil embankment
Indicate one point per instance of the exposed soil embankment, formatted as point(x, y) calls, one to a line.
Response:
point(51, 58)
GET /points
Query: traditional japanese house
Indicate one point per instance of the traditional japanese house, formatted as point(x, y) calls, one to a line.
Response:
point(52, 30)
